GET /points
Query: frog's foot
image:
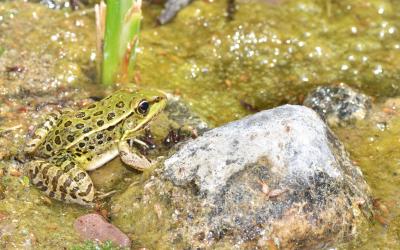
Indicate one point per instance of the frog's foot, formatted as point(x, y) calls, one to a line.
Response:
point(132, 157)
point(66, 183)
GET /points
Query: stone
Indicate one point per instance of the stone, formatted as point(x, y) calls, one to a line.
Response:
point(277, 177)
point(339, 105)
point(95, 228)
point(172, 7)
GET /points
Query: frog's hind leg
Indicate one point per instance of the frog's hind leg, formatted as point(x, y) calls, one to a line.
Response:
point(40, 134)
point(65, 182)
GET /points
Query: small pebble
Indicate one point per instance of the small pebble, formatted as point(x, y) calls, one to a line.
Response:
point(94, 227)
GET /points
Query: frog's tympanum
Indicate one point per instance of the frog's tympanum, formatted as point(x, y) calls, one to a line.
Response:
point(69, 143)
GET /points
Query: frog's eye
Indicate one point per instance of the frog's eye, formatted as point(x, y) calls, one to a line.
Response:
point(143, 107)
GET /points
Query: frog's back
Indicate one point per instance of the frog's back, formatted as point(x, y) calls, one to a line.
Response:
point(75, 126)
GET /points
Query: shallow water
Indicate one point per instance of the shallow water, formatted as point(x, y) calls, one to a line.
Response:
point(267, 56)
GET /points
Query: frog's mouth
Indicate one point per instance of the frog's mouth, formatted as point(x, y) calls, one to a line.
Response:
point(157, 105)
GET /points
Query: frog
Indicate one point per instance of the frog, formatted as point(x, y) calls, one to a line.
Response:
point(70, 143)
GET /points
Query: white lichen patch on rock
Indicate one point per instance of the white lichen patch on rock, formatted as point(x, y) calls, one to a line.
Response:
point(288, 137)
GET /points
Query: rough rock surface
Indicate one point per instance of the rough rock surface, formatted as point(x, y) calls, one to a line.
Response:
point(277, 177)
point(338, 105)
point(94, 227)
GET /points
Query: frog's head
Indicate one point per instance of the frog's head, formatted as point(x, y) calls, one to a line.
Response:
point(145, 105)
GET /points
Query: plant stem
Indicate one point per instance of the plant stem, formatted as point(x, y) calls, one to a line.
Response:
point(122, 27)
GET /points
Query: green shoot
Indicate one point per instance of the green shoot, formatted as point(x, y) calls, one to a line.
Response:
point(121, 36)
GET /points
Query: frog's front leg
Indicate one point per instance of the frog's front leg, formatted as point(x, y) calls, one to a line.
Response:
point(62, 180)
point(132, 157)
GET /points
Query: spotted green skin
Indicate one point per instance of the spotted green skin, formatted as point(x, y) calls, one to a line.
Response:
point(69, 143)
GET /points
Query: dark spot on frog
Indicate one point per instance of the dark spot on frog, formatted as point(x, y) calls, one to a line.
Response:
point(62, 189)
point(57, 132)
point(57, 140)
point(67, 183)
point(109, 138)
point(54, 181)
point(100, 123)
point(39, 184)
point(98, 113)
point(82, 144)
point(120, 104)
point(86, 118)
point(73, 192)
point(80, 115)
point(67, 123)
point(51, 123)
point(91, 106)
point(79, 177)
point(87, 130)
point(86, 138)
point(69, 167)
point(110, 128)
point(70, 138)
point(48, 147)
point(110, 116)
point(91, 147)
point(79, 125)
point(45, 170)
point(99, 136)
point(89, 188)
point(100, 142)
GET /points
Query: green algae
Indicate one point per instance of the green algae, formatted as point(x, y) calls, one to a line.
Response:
point(28, 220)
point(373, 145)
point(268, 55)
point(90, 245)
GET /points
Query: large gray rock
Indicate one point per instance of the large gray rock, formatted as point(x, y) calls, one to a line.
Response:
point(277, 177)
